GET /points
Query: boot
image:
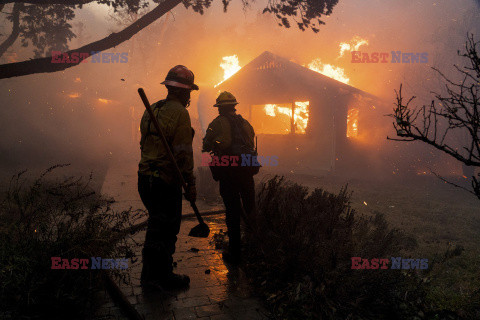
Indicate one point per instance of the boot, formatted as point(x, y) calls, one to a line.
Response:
point(233, 258)
point(175, 281)
point(233, 254)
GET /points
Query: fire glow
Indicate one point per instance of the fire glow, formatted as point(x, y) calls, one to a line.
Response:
point(230, 66)
point(329, 70)
point(352, 45)
point(352, 123)
point(105, 101)
point(299, 113)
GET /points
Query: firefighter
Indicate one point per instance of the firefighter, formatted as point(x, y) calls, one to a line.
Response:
point(231, 135)
point(158, 185)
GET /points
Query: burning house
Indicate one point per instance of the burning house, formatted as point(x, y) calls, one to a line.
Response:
point(310, 121)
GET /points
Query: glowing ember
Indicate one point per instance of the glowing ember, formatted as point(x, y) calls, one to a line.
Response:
point(104, 100)
point(230, 66)
point(352, 45)
point(74, 95)
point(77, 79)
point(328, 70)
point(352, 123)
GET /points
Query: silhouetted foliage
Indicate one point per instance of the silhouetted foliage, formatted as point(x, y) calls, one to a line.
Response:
point(305, 13)
point(299, 247)
point(63, 218)
point(46, 24)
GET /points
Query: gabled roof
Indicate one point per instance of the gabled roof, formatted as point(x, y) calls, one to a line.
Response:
point(269, 77)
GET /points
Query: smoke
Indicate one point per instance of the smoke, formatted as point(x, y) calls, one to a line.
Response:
point(42, 125)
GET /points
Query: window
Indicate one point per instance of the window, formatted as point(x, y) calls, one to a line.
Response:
point(282, 118)
point(352, 123)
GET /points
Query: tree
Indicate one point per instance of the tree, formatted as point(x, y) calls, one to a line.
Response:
point(34, 19)
point(450, 124)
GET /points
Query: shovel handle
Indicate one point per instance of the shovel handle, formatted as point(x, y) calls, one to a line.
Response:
point(144, 98)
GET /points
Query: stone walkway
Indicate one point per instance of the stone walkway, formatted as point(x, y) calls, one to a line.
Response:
point(217, 291)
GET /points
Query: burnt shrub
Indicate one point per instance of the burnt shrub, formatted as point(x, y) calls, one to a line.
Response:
point(61, 217)
point(299, 246)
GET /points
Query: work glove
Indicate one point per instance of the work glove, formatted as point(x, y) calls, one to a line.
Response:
point(191, 193)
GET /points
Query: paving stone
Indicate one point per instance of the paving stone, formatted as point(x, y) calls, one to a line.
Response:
point(208, 310)
point(189, 302)
point(222, 317)
point(166, 316)
point(249, 314)
point(184, 313)
point(223, 294)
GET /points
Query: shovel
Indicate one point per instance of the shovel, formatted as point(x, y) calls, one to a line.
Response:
point(201, 230)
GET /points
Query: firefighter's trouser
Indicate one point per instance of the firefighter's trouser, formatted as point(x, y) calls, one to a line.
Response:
point(164, 204)
point(237, 189)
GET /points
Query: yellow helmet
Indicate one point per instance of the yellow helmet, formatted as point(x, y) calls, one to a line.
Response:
point(225, 99)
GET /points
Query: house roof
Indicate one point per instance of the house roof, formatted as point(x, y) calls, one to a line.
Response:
point(272, 79)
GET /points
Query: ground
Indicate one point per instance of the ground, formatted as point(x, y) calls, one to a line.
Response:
point(216, 291)
point(438, 215)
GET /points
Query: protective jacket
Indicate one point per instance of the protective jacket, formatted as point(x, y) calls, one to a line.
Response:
point(218, 138)
point(174, 120)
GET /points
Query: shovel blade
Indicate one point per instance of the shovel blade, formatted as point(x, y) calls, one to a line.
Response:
point(200, 231)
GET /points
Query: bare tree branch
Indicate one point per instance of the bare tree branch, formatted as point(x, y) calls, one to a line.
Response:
point(44, 2)
point(42, 65)
point(457, 113)
point(15, 29)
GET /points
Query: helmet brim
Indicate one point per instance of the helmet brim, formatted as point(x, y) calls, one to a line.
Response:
point(225, 104)
point(179, 85)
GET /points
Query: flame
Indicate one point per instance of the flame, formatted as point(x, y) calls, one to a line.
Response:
point(230, 66)
point(352, 123)
point(300, 114)
point(105, 101)
point(329, 70)
point(74, 95)
point(77, 79)
point(352, 45)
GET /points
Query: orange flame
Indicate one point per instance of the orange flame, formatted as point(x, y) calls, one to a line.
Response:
point(230, 66)
point(300, 114)
point(352, 45)
point(329, 70)
point(105, 101)
point(352, 123)
point(74, 95)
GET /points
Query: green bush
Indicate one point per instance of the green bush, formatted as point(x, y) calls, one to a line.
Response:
point(299, 250)
point(48, 218)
